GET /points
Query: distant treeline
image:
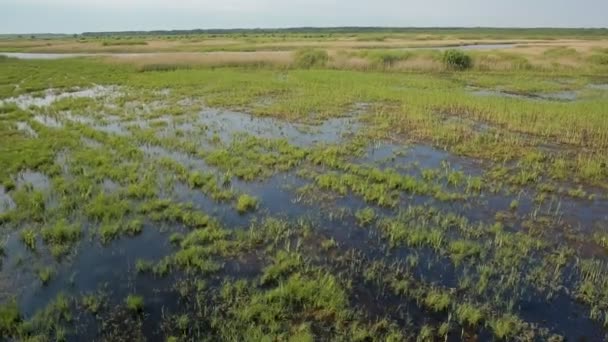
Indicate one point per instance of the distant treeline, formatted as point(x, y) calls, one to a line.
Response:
point(357, 30)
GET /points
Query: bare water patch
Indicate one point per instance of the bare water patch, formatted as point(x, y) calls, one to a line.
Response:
point(187, 160)
point(465, 47)
point(49, 96)
point(111, 128)
point(37, 180)
point(598, 86)
point(47, 56)
point(48, 121)
point(110, 124)
point(564, 96)
point(419, 157)
point(6, 201)
point(226, 124)
point(91, 143)
point(25, 127)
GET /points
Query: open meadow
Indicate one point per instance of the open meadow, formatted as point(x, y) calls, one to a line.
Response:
point(305, 185)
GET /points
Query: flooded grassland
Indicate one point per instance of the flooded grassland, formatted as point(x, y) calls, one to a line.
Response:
point(242, 203)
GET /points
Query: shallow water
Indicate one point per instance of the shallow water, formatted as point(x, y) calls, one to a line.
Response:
point(38, 180)
point(25, 127)
point(466, 47)
point(95, 266)
point(598, 86)
point(48, 121)
point(226, 124)
point(556, 96)
point(50, 96)
point(6, 202)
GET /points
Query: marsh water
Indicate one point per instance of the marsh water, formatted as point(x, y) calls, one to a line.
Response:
point(111, 267)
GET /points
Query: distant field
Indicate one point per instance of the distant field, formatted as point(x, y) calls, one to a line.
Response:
point(300, 185)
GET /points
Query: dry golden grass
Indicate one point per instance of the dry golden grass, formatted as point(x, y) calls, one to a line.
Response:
point(387, 44)
point(154, 44)
point(277, 58)
point(191, 45)
point(97, 46)
point(344, 52)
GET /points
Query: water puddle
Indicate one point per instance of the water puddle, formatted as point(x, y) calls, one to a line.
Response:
point(37, 180)
point(25, 127)
point(598, 86)
point(109, 186)
point(50, 96)
point(227, 124)
point(189, 161)
point(91, 143)
point(26, 55)
point(6, 202)
point(419, 157)
point(48, 121)
point(112, 128)
point(464, 47)
point(565, 96)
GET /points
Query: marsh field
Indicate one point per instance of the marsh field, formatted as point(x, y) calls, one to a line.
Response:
point(323, 185)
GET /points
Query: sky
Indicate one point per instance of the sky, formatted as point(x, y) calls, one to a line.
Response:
point(76, 16)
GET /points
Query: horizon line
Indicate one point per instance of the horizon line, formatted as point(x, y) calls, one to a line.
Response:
point(292, 28)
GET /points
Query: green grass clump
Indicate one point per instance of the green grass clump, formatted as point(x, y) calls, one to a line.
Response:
point(134, 303)
point(133, 227)
point(437, 300)
point(599, 59)
point(92, 303)
point(196, 259)
point(318, 296)
point(52, 320)
point(506, 326)
point(107, 207)
point(61, 237)
point(160, 67)
point(10, 317)
point(284, 263)
point(28, 237)
point(469, 314)
point(457, 60)
point(245, 203)
point(311, 58)
point(45, 274)
point(461, 250)
point(143, 266)
point(176, 238)
point(109, 231)
point(365, 216)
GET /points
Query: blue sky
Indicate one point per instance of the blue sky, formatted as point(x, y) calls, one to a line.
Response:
point(75, 16)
